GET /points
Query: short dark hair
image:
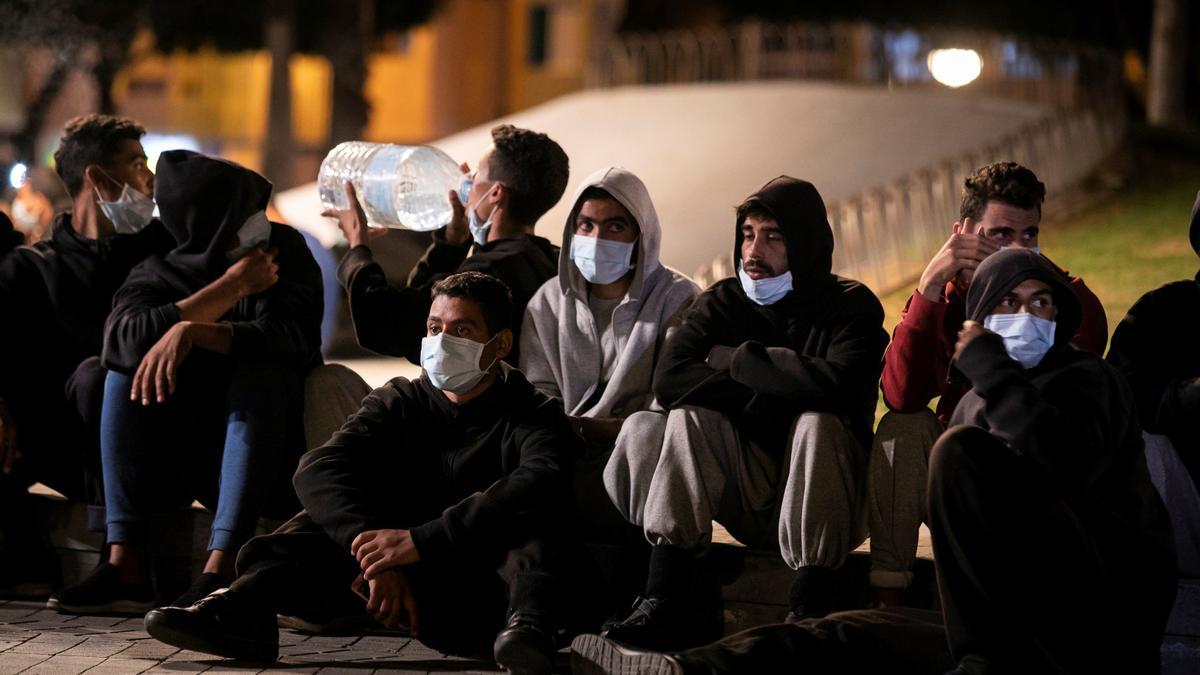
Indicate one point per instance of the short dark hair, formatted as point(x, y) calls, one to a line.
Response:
point(532, 166)
point(1006, 182)
point(491, 294)
point(91, 139)
point(752, 207)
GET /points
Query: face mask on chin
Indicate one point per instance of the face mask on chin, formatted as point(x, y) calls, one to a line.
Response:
point(254, 232)
point(452, 363)
point(601, 261)
point(130, 212)
point(479, 230)
point(1027, 338)
point(766, 291)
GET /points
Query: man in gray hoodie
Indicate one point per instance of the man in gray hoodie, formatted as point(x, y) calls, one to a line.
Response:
point(592, 335)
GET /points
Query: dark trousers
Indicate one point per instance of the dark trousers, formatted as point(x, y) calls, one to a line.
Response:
point(461, 601)
point(59, 439)
point(1035, 580)
point(898, 641)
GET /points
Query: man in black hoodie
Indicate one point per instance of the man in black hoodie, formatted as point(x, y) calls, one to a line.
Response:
point(520, 177)
point(1157, 347)
point(55, 296)
point(770, 382)
point(1043, 459)
point(444, 493)
point(207, 348)
point(1045, 451)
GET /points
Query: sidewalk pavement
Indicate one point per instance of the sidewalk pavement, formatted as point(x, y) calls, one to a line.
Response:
point(36, 640)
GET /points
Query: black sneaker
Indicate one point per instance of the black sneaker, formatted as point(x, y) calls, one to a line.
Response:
point(596, 655)
point(664, 624)
point(220, 623)
point(204, 585)
point(103, 592)
point(28, 574)
point(525, 646)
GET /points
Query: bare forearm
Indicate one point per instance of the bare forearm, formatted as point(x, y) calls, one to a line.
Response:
point(211, 302)
point(214, 337)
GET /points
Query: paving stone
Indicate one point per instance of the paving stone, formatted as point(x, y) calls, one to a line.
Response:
point(14, 663)
point(101, 647)
point(48, 644)
point(179, 667)
point(65, 665)
point(123, 666)
point(149, 649)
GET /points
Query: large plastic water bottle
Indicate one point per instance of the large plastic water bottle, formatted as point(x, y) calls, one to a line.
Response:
point(399, 186)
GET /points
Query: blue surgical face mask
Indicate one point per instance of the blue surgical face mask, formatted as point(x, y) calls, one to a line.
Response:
point(479, 231)
point(1027, 338)
point(452, 363)
point(765, 291)
point(255, 231)
point(601, 261)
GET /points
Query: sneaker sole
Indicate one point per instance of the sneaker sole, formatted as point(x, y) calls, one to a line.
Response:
point(133, 607)
point(227, 646)
point(594, 655)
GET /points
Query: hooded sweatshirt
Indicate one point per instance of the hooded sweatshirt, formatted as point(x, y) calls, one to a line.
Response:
point(1157, 347)
point(1071, 416)
point(391, 321)
point(818, 349)
point(9, 237)
point(561, 350)
point(55, 296)
point(916, 364)
point(204, 201)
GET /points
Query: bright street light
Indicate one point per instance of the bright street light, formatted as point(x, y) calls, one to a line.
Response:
point(954, 67)
point(16, 176)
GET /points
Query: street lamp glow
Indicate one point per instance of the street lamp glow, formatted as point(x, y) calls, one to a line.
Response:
point(954, 67)
point(16, 176)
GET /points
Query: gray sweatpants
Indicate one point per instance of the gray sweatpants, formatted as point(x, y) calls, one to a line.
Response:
point(808, 499)
point(899, 471)
point(1174, 484)
point(332, 393)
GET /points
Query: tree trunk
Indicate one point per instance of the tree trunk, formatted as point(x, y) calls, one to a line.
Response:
point(346, 43)
point(1168, 61)
point(25, 141)
point(279, 38)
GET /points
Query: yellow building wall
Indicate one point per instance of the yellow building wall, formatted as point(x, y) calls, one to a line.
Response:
point(569, 44)
point(399, 90)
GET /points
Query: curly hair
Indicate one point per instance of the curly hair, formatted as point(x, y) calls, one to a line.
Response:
point(491, 294)
point(91, 139)
point(532, 166)
point(1006, 182)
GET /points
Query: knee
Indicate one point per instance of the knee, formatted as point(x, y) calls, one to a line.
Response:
point(963, 451)
point(895, 426)
point(333, 380)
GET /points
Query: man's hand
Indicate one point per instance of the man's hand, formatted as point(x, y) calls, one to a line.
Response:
point(969, 331)
point(380, 550)
point(254, 273)
point(353, 221)
point(720, 357)
point(8, 438)
point(391, 599)
point(960, 252)
point(457, 232)
point(155, 376)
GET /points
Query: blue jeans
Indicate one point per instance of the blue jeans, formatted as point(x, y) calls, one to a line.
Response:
point(229, 437)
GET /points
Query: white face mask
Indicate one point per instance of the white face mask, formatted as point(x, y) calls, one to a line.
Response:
point(601, 261)
point(256, 230)
point(479, 231)
point(1027, 338)
point(765, 291)
point(131, 211)
point(452, 363)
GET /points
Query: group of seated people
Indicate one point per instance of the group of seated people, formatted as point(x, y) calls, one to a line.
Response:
point(589, 394)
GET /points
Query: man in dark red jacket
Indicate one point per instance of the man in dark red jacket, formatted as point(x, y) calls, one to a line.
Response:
point(1001, 207)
